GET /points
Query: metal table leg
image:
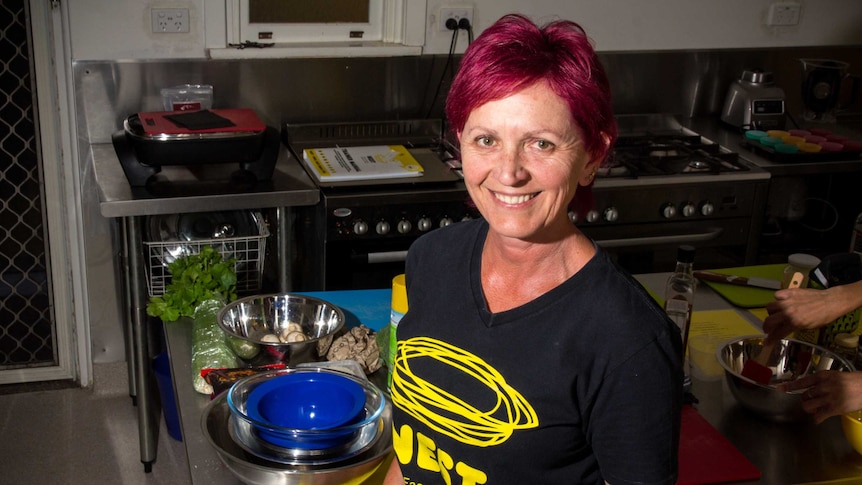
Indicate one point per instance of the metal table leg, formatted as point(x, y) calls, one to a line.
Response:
point(128, 331)
point(140, 341)
point(283, 247)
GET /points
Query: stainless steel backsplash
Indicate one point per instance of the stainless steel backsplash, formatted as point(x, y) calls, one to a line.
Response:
point(687, 83)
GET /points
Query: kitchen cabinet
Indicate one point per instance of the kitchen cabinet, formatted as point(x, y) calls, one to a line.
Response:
point(289, 187)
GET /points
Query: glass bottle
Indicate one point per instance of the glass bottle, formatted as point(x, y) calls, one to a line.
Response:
point(679, 298)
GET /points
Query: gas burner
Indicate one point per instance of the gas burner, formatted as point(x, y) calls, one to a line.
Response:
point(697, 165)
point(668, 154)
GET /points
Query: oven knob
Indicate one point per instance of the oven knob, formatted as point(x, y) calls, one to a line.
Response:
point(424, 224)
point(360, 228)
point(592, 216)
point(573, 216)
point(707, 208)
point(445, 221)
point(404, 226)
point(611, 214)
point(382, 228)
point(668, 211)
point(688, 209)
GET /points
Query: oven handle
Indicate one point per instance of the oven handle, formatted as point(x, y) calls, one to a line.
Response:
point(675, 239)
point(387, 257)
point(401, 256)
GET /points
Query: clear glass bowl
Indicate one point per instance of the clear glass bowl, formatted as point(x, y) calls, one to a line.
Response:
point(256, 432)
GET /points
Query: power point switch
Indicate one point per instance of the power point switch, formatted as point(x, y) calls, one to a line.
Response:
point(170, 20)
point(783, 14)
point(457, 14)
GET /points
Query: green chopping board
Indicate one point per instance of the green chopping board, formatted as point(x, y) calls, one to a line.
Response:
point(747, 296)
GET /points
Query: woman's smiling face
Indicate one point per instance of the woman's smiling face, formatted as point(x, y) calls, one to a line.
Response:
point(523, 159)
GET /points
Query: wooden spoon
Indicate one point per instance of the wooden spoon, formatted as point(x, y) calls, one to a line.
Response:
point(756, 369)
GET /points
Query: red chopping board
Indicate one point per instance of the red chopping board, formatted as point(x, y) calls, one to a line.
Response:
point(155, 123)
point(747, 296)
point(705, 456)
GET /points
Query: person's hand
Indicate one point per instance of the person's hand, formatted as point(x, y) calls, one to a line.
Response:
point(796, 309)
point(829, 393)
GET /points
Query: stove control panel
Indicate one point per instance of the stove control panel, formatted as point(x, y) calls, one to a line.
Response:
point(638, 205)
point(371, 218)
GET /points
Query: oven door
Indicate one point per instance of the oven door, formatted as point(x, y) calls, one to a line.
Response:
point(650, 248)
point(359, 240)
point(365, 264)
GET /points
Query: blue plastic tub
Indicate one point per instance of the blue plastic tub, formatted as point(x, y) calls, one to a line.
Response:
point(162, 370)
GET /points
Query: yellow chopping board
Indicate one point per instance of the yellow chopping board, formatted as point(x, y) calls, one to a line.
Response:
point(747, 296)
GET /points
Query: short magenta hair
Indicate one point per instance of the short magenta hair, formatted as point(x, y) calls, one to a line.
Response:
point(514, 53)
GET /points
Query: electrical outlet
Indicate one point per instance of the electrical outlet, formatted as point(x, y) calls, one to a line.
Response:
point(783, 13)
point(170, 20)
point(455, 13)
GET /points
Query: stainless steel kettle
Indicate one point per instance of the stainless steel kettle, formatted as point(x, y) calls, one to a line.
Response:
point(754, 102)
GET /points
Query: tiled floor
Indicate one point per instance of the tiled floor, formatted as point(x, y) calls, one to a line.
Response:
point(82, 436)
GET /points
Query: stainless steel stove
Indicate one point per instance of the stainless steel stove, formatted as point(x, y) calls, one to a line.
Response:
point(358, 234)
point(662, 186)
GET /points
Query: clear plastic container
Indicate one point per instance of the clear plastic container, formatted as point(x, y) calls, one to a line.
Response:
point(187, 97)
point(799, 262)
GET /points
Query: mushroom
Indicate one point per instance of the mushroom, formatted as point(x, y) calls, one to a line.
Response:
point(270, 338)
point(293, 333)
point(296, 337)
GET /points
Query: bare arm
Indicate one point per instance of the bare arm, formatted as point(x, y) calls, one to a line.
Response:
point(829, 393)
point(802, 308)
point(394, 476)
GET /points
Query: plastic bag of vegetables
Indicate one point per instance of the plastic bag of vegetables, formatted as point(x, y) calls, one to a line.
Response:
point(209, 347)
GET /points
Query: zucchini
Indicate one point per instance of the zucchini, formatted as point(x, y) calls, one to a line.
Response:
point(209, 349)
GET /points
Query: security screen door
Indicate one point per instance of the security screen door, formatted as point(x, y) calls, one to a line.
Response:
point(27, 328)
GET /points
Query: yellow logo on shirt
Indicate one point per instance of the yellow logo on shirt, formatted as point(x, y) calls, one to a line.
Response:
point(443, 411)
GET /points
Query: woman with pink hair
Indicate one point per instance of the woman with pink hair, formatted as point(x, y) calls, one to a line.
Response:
point(527, 355)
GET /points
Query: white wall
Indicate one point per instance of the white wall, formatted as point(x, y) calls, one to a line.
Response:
point(639, 25)
point(120, 29)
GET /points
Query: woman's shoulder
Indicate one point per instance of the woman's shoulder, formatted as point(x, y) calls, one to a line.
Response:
point(614, 283)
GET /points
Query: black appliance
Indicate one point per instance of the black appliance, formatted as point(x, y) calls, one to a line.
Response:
point(210, 138)
point(663, 185)
point(357, 236)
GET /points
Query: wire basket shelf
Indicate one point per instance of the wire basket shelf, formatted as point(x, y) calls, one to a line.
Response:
point(249, 253)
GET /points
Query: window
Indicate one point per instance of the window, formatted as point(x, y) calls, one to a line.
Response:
point(297, 21)
point(317, 28)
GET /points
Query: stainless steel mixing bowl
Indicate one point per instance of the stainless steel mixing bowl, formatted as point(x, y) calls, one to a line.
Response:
point(790, 359)
point(250, 469)
point(247, 321)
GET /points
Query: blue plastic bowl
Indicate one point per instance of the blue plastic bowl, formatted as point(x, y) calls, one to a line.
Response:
point(306, 410)
point(306, 401)
point(251, 420)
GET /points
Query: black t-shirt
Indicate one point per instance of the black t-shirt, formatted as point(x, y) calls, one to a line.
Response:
point(581, 385)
